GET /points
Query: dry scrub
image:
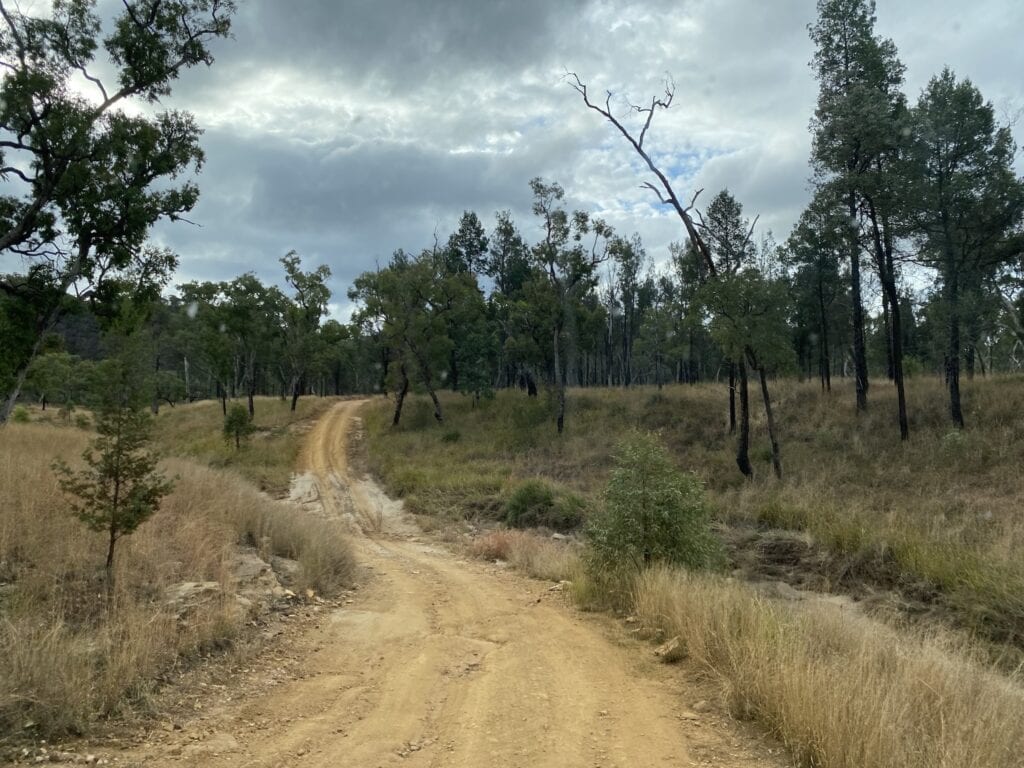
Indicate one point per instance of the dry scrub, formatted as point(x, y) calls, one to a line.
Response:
point(841, 690)
point(64, 658)
point(535, 555)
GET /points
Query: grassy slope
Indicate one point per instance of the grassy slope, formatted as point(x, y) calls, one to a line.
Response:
point(941, 517)
point(268, 458)
point(840, 690)
point(63, 659)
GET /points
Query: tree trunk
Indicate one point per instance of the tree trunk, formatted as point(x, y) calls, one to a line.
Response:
point(296, 390)
point(894, 320)
point(824, 361)
point(889, 328)
point(437, 405)
point(953, 351)
point(559, 380)
point(776, 455)
point(743, 440)
point(732, 398)
point(403, 390)
point(860, 360)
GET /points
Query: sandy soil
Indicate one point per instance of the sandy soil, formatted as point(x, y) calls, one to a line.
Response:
point(442, 661)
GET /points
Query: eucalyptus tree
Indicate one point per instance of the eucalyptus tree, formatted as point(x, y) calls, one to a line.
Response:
point(251, 315)
point(965, 202)
point(409, 303)
point(568, 255)
point(630, 260)
point(302, 313)
point(208, 349)
point(84, 178)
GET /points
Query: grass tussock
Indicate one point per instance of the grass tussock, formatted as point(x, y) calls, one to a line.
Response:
point(67, 654)
point(841, 690)
point(535, 555)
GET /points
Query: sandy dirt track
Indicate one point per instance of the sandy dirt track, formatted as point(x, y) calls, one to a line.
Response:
point(442, 661)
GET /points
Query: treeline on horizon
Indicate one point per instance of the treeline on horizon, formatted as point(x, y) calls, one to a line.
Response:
point(907, 260)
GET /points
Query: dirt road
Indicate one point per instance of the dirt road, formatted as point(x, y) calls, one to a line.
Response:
point(442, 661)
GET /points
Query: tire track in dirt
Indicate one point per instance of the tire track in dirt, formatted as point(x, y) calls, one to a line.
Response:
point(443, 661)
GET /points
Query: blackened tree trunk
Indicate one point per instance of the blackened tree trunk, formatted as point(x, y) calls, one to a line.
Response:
point(296, 391)
point(824, 360)
point(559, 378)
point(772, 437)
point(953, 350)
point(860, 359)
point(403, 390)
point(889, 328)
point(732, 398)
point(743, 440)
point(894, 327)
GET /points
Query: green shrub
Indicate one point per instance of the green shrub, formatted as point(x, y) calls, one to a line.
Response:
point(82, 421)
point(533, 504)
point(237, 425)
point(20, 415)
point(653, 513)
point(452, 436)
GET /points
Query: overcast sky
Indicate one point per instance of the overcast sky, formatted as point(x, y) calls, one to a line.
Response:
point(347, 129)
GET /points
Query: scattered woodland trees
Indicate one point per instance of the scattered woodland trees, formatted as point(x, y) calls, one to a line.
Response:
point(903, 194)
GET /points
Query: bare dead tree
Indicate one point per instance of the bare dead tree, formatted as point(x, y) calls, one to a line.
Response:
point(667, 196)
point(664, 190)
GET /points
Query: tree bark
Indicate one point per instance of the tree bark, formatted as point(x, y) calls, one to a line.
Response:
point(824, 363)
point(743, 440)
point(732, 398)
point(559, 379)
point(953, 351)
point(776, 454)
point(400, 396)
point(894, 320)
point(860, 360)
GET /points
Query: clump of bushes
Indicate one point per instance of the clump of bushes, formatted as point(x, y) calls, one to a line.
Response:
point(20, 415)
point(534, 504)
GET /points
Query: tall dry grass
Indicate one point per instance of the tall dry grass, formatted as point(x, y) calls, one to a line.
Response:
point(940, 515)
point(66, 655)
point(840, 690)
point(537, 556)
point(267, 458)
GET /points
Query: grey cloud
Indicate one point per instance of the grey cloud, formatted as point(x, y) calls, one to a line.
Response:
point(348, 129)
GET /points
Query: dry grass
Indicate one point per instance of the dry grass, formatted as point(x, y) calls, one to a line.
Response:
point(194, 431)
point(65, 658)
point(535, 555)
point(939, 516)
point(940, 519)
point(841, 690)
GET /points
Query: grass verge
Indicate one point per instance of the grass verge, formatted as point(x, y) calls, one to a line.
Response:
point(67, 656)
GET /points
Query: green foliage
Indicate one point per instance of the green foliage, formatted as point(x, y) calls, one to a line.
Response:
point(95, 172)
point(20, 415)
point(652, 513)
point(237, 425)
point(120, 487)
point(534, 504)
